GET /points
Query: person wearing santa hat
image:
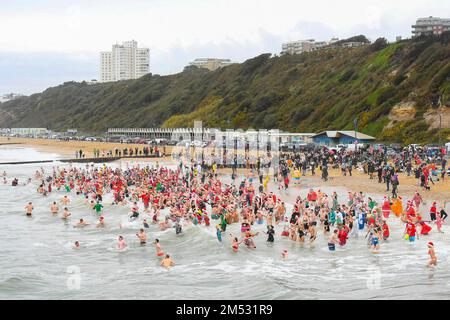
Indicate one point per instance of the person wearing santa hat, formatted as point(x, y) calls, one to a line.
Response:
point(410, 232)
point(433, 211)
point(386, 207)
point(424, 228)
point(410, 211)
point(385, 229)
point(432, 254)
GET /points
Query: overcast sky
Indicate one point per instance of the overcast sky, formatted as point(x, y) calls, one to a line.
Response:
point(46, 42)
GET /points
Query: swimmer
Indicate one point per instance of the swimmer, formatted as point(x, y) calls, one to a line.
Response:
point(145, 223)
point(234, 243)
point(270, 233)
point(66, 213)
point(54, 208)
point(65, 200)
point(29, 209)
point(142, 236)
point(167, 262)
point(375, 240)
point(432, 254)
point(313, 234)
point(386, 232)
point(81, 224)
point(284, 254)
point(333, 240)
point(135, 211)
point(159, 251)
point(219, 233)
point(98, 207)
point(121, 243)
point(76, 245)
point(101, 222)
point(178, 229)
point(164, 225)
point(248, 239)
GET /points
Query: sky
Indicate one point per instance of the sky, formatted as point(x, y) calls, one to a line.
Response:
point(44, 43)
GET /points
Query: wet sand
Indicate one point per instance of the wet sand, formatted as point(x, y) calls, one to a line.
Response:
point(68, 148)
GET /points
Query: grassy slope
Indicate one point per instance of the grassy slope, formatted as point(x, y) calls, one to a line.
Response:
point(308, 92)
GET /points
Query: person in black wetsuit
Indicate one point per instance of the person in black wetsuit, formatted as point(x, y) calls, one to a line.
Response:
point(294, 217)
point(270, 233)
point(178, 228)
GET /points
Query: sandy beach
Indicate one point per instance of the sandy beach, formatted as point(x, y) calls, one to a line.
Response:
point(68, 148)
point(358, 182)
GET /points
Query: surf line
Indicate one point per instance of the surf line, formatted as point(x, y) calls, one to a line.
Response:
point(186, 310)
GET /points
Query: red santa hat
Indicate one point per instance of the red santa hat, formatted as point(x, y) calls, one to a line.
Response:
point(430, 244)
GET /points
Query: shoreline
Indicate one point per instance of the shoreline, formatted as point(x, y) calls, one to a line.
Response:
point(358, 182)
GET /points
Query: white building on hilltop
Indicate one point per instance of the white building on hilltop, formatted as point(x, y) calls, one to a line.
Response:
point(125, 61)
point(430, 26)
point(297, 47)
point(211, 63)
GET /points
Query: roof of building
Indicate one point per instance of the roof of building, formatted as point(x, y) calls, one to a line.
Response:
point(337, 134)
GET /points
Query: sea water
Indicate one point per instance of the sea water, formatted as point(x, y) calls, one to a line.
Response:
point(37, 259)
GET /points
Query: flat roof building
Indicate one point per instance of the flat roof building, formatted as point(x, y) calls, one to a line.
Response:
point(297, 47)
point(211, 63)
point(126, 61)
point(430, 26)
point(331, 138)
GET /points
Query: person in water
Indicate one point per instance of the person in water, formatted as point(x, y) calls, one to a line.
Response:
point(66, 213)
point(219, 233)
point(65, 200)
point(376, 240)
point(76, 245)
point(333, 240)
point(432, 254)
point(134, 211)
point(101, 222)
point(167, 262)
point(142, 236)
point(98, 207)
point(178, 228)
point(121, 243)
point(234, 243)
point(157, 245)
point(54, 208)
point(270, 234)
point(248, 239)
point(29, 209)
point(81, 224)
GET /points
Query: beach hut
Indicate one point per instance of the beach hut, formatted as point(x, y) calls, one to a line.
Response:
point(341, 137)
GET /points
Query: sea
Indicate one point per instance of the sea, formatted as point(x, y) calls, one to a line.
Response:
point(38, 261)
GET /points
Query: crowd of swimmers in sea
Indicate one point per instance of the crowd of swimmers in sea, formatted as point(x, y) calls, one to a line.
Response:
point(198, 196)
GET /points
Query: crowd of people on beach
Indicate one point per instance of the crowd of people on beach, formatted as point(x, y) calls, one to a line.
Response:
point(197, 195)
point(426, 165)
point(144, 151)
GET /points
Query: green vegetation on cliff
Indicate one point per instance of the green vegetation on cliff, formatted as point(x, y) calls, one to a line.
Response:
point(300, 93)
